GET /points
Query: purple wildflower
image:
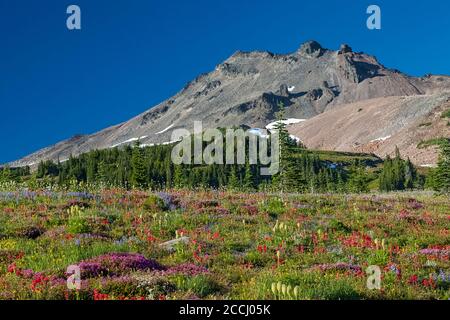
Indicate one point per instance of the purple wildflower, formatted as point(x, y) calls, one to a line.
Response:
point(434, 251)
point(338, 266)
point(188, 269)
point(116, 264)
point(92, 270)
point(168, 200)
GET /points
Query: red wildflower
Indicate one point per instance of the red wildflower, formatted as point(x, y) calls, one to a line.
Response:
point(8, 210)
point(197, 256)
point(215, 235)
point(262, 248)
point(12, 268)
point(100, 296)
point(320, 250)
point(413, 279)
point(358, 240)
point(428, 282)
point(39, 280)
point(182, 232)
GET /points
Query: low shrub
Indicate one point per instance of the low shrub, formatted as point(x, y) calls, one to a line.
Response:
point(154, 203)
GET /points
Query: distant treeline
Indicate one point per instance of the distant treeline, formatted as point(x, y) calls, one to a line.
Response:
point(301, 170)
point(152, 167)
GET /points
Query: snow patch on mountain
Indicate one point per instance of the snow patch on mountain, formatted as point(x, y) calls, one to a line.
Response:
point(259, 132)
point(160, 144)
point(287, 122)
point(128, 141)
point(166, 129)
point(429, 165)
point(295, 138)
point(380, 139)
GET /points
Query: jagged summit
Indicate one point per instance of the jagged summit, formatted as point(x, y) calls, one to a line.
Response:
point(345, 48)
point(245, 90)
point(311, 49)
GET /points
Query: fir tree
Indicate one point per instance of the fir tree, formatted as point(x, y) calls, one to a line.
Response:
point(385, 178)
point(410, 174)
point(101, 175)
point(398, 171)
point(358, 180)
point(248, 181)
point(138, 176)
point(340, 187)
point(6, 175)
point(284, 180)
point(442, 173)
point(178, 177)
point(233, 182)
point(397, 174)
point(168, 178)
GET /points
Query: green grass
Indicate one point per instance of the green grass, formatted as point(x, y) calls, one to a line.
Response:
point(432, 142)
point(446, 114)
point(346, 157)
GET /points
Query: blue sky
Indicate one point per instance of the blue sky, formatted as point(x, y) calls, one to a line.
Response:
point(132, 54)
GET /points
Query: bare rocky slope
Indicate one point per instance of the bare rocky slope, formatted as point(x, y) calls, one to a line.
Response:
point(379, 125)
point(314, 83)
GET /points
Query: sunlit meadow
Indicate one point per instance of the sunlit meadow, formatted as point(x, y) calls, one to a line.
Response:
point(223, 245)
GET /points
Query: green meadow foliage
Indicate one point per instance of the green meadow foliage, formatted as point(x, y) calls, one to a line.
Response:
point(224, 245)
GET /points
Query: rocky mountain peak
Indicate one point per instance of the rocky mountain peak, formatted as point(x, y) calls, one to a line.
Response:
point(311, 49)
point(345, 48)
point(247, 88)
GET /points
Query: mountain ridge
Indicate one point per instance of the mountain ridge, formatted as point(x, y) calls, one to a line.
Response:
point(246, 88)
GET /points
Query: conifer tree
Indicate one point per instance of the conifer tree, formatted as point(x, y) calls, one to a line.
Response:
point(284, 179)
point(340, 187)
point(248, 181)
point(138, 176)
point(233, 181)
point(410, 174)
point(6, 174)
point(169, 170)
point(442, 173)
point(398, 171)
point(358, 178)
point(101, 175)
point(178, 177)
point(385, 178)
point(397, 174)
